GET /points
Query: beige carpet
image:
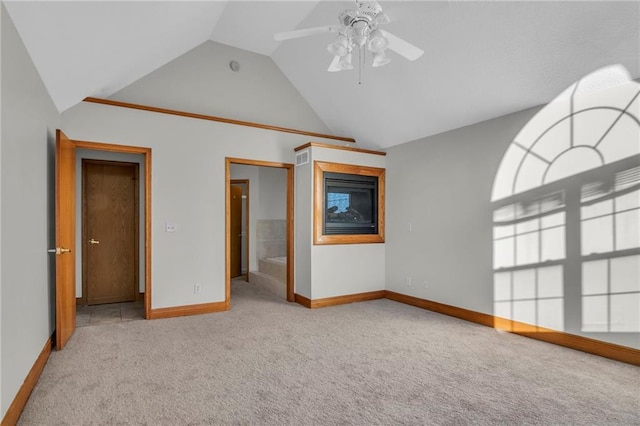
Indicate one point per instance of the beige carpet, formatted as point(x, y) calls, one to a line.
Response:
point(270, 362)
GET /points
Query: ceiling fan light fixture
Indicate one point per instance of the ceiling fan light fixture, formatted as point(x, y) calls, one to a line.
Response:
point(345, 62)
point(377, 42)
point(380, 59)
point(339, 47)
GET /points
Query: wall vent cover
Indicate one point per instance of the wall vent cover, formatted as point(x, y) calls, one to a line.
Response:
point(302, 158)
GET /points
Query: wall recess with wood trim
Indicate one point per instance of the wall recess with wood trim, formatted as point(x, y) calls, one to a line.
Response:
point(348, 204)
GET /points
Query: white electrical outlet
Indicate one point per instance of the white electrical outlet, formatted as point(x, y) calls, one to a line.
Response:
point(425, 284)
point(409, 283)
point(197, 288)
point(170, 227)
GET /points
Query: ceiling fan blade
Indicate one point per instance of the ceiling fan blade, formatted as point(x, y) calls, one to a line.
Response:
point(288, 35)
point(402, 47)
point(334, 65)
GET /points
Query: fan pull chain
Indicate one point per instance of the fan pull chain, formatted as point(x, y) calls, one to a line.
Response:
point(360, 64)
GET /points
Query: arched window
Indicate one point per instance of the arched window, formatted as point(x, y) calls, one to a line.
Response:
point(567, 212)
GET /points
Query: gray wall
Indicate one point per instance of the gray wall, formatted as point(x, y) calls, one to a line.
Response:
point(440, 221)
point(441, 185)
point(29, 120)
point(201, 81)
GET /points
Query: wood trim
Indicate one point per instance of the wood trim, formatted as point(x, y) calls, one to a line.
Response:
point(319, 167)
point(306, 302)
point(181, 311)
point(15, 409)
point(214, 118)
point(289, 220)
point(339, 300)
point(344, 148)
point(227, 234)
point(572, 341)
point(99, 146)
point(441, 308)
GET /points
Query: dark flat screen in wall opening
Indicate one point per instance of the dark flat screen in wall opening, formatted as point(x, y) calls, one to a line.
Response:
point(351, 204)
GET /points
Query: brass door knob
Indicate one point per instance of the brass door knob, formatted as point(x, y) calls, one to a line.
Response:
point(92, 241)
point(59, 250)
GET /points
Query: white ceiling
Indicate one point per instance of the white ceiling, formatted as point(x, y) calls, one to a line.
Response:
point(482, 59)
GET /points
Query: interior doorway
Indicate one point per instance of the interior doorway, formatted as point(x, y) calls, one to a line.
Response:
point(68, 231)
point(110, 237)
point(263, 226)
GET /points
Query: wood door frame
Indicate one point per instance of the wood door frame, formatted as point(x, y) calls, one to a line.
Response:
point(146, 152)
point(247, 222)
point(289, 222)
point(136, 261)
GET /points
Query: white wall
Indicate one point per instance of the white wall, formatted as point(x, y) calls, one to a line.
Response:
point(109, 156)
point(188, 188)
point(29, 120)
point(273, 193)
point(335, 269)
point(303, 234)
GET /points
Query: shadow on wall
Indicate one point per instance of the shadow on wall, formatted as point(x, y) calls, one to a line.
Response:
point(566, 201)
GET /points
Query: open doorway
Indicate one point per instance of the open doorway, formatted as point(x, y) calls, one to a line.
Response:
point(265, 247)
point(110, 259)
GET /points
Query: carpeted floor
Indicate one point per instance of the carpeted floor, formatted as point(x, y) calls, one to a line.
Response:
point(270, 362)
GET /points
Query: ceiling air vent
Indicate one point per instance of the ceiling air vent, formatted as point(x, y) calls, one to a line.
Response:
point(302, 158)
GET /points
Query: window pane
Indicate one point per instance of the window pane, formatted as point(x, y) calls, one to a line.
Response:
point(503, 253)
point(551, 314)
point(525, 311)
point(527, 249)
point(597, 209)
point(625, 274)
point(597, 235)
point(502, 286)
point(594, 277)
point(594, 313)
point(628, 230)
point(625, 312)
point(550, 281)
point(524, 284)
point(553, 244)
point(553, 220)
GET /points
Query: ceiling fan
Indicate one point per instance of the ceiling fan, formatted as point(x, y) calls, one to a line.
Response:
point(358, 30)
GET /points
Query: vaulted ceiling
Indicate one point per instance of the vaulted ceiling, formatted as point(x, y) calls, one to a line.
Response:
point(482, 59)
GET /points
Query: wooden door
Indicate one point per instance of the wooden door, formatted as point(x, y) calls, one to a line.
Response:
point(110, 230)
point(65, 239)
point(236, 230)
